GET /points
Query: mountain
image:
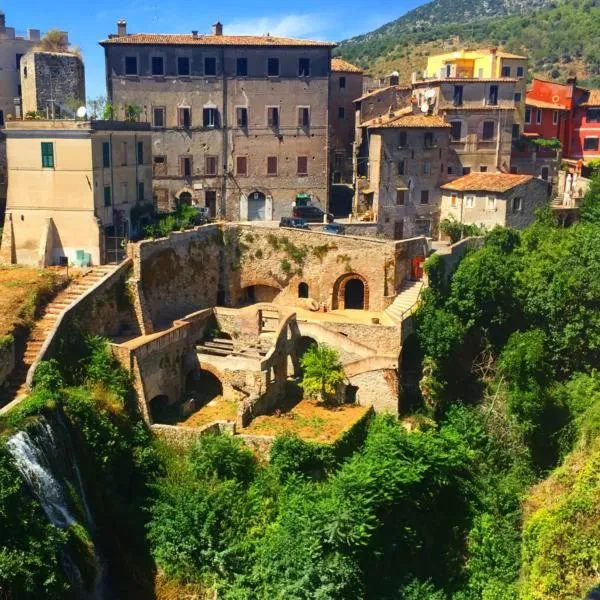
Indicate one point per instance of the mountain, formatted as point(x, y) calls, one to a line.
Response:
point(560, 37)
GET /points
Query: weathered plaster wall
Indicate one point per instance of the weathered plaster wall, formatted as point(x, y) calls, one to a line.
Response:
point(378, 389)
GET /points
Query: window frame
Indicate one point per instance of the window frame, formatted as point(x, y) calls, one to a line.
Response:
point(273, 60)
point(157, 57)
point(242, 123)
point(520, 97)
point(163, 110)
point(341, 112)
point(460, 124)
point(590, 137)
point(555, 117)
point(520, 72)
point(506, 70)
point(488, 138)
point(493, 96)
point(400, 197)
point(596, 119)
point(270, 173)
point(107, 196)
point(204, 63)
point(48, 158)
point(181, 111)
point(424, 197)
point(299, 172)
point(139, 155)
point(302, 112)
point(186, 159)
point(458, 95)
point(401, 166)
point(300, 69)
point(519, 208)
point(131, 57)
point(237, 66)
point(426, 170)
point(469, 201)
point(189, 65)
point(208, 160)
point(243, 173)
point(106, 155)
point(527, 116)
point(342, 82)
point(207, 122)
point(272, 122)
point(140, 188)
point(490, 203)
point(539, 115)
point(428, 140)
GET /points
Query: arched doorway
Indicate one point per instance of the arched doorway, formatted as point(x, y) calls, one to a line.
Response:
point(258, 293)
point(185, 199)
point(158, 408)
point(351, 291)
point(354, 294)
point(303, 290)
point(257, 206)
point(203, 386)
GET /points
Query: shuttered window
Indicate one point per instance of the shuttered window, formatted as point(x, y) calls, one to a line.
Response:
point(47, 155)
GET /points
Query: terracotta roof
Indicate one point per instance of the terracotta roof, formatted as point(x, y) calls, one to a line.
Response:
point(379, 90)
point(210, 40)
point(487, 182)
point(593, 99)
point(342, 66)
point(465, 80)
point(543, 104)
point(406, 119)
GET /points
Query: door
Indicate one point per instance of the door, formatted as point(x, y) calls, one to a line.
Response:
point(210, 202)
point(256, 206)
point(399, 230)
point(417, 268)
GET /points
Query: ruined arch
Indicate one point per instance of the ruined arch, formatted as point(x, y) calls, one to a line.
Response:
point(204, 383)
point(158, 408)
point(357, 296)
point(185, 195)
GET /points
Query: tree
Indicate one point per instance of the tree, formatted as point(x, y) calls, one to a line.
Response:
point(323, 371)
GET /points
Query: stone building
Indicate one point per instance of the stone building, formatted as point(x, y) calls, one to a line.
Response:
point(407, 155)
point(52, 83)
point(345, 86)
point(240, 123)
point(487, 199)
point(72, 187)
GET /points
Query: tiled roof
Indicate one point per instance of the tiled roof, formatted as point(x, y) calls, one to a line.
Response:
point(379, 90)
point(465, 80)
point(411, 120)
point(339, 64)
point(593, 99)
point(487, 182)
point(543, 104)
point(210, 40)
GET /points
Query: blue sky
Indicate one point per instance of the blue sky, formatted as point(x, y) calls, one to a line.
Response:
point(89, 21)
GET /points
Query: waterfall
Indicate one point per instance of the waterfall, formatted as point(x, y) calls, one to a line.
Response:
point(45, 456)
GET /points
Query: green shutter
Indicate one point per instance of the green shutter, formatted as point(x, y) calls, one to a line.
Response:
point(106, 154)
point(140, 149)
point(107, 199)
point(140, 191)
point(47, 155)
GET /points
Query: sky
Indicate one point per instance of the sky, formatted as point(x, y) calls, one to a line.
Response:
point(89, 21)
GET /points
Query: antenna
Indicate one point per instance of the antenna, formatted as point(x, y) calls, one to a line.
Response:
point(81, 112)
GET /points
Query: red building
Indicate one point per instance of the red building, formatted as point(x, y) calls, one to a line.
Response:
point(567, 112)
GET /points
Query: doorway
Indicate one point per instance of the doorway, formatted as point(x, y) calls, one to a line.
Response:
point(354, 294)
point(257, 204)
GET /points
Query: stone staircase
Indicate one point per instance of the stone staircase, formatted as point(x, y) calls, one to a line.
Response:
point(405, 300)
point(16, 386)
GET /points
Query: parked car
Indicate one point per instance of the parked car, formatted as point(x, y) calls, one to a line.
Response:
point(336, 228)
point(294, 223)
point(311, 214)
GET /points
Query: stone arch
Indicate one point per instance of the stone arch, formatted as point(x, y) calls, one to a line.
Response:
point(340, 289)
point(259, 290)
point(205, 381)
point(185, 195)
point(158, 408)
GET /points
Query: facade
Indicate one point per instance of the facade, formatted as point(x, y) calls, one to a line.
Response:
point(346, 83)
point(407, 155)
point(72, 186)
point(52, 83)
point(240, 123)
point(586, 127)
point(488, 200)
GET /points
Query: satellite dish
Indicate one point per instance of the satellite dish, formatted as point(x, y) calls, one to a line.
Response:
point(425, 107)
point(81, 112)
point(429, 93)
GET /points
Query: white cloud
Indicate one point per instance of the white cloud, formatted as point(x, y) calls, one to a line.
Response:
point(298, 26)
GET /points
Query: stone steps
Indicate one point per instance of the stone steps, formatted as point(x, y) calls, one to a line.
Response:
point(407, 298)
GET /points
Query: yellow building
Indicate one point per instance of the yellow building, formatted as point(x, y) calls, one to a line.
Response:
point(487, 63)
point(71, 188)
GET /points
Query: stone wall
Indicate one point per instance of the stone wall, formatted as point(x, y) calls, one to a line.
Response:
point(378, 389)
point(452, 255)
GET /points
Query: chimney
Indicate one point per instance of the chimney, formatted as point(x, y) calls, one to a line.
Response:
point(121, 28)
point(217, 28)
point(194, 33)
point(2, 20)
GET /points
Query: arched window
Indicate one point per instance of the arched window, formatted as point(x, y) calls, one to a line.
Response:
point(303, 290)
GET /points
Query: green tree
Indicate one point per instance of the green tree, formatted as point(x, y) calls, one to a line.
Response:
point(322, 372)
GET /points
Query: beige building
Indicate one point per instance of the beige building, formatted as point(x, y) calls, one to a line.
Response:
point(240, 123)
point(487, 199)
point(72, 186)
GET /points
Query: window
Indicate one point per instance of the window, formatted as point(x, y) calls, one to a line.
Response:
point(520, 71)
point(505, 71)
point(124, 153)
point(493, 95)
point(242, 116)
point(428, 139)
point(457, 97)
point(160, 165)
point(342, 81)
point(140, 191)
point(271, 165)
point(273, 116)
point(424, 196)
point(273, 67)
point(491, 203)
point(303, 117)
point(241, 67)
point(210, 66)
point(106, 154)
point(488, 130)
point(554, 117)
point(183, 65)
point(401, 167)
point(341, 112)
point(157, 65)
point(402, 139)
point(302, 165)
point(517, 204)
point(210, 165)
point(456, 130)
point(448, 70)
point(469, 201)
point(107, 196)
point(303, 290)
point(590, 143)
point(483, 168)
point(184, 115)
point(131, 65)
point(304, 67)
point(516, 131)
point(140, 153)
point(185, 166)
point(593, 115)
point(209, 117)
point(241, 165)
point(18, 58)
point(47, 155)
point(538, 116)
point(466, 170)
point(400, 197)
point(453, 200)
point(158, 116)
point(517, 97)
point(528, 116)
point(426, 167)
point(450, 170)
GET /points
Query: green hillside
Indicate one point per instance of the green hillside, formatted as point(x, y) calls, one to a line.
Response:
point(560, 38)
